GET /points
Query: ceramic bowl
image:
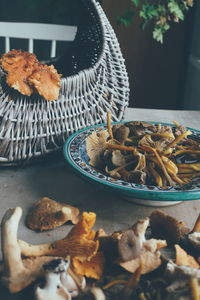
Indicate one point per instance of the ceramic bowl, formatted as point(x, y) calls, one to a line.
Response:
point(75, 154)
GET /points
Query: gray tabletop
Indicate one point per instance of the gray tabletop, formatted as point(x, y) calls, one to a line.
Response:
point(23, 185)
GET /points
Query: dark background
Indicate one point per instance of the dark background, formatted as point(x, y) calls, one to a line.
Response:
point(157, 72)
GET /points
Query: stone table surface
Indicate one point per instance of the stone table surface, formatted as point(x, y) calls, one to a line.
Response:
point(23, 185)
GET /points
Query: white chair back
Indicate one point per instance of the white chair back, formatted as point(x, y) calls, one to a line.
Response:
point(37, 31)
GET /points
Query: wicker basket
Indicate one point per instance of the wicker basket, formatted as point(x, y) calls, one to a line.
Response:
point(95, 82)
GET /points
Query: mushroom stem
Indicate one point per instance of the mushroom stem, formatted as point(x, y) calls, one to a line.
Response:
point(109, 126)
point(35, 250)
point(11, 252)
point(17, 273)
point(98, 293)
point(85, 248)
point(78, 242)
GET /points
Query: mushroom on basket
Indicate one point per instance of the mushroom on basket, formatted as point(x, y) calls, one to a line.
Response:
point(27, 75)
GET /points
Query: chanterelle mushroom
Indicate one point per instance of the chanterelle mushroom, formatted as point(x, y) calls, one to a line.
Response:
point(59, 284)
point(17, 273)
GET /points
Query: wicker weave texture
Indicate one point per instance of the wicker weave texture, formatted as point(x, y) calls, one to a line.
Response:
point(31, 126)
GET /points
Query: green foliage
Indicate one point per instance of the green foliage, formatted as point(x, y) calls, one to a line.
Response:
point(127, 18)
point(161, 13)
point(175, 9)
point(136, 2)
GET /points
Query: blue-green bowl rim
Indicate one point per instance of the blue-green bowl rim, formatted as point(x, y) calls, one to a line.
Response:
point(151, 195)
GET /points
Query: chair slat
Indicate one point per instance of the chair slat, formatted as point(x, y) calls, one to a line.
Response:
point(38, 31)
point(7, 44)
point(30, 45)
point(53, 48)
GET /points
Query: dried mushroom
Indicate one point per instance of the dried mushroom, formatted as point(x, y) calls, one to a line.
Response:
point(128, 245)
point(48, 214)
point(27, 75)
point(78, 242)
point(184, 259)
point(118, 159)
point(95, 147)
point(181, 282)
point(92, 268)
point(121, 134)
point(158, 149)
point(149, 254)
point(167, 227)
point(90, 264)
point(129, 248)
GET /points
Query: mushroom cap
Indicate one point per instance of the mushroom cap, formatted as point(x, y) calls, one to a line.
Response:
point(184, 259)
point(121, 133)
point(95, 146)
point(167, 227)
point(150, 261)
point(118, 159)
point(137, 176)
point(139, 128)
point(48, 214)
point(128, 245)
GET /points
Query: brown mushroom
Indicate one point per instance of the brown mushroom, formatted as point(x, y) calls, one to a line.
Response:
point(184, 259)
point(78, 242)
point(138, 128)
point(128, 248)
point(118, 159)
point(137, 176)
point(151, 261)
point(121, 133)
point(149, 253)
point(95, 147)
point(128, 245)
point(167, 227)
point(48, 214)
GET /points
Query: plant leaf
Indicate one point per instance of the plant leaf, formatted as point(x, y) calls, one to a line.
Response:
point(175, 9)
point(148, 12)
point(126, 19)
point(135, 2)
point(159, 31)
point(158, 35)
